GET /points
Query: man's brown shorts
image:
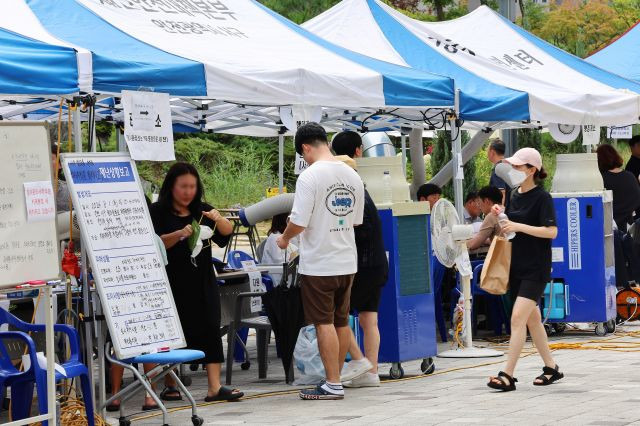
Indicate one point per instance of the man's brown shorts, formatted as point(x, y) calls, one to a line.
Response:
point(326, 299)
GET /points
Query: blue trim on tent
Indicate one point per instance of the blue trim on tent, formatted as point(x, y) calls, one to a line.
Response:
point(31, 67)
point(580, 65)
point(621, 57)
point(480, 99)
point(127, 63)
point(401, 86)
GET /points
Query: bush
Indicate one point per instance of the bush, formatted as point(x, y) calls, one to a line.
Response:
point(232, 174)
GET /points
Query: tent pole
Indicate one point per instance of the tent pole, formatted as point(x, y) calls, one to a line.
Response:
point(458, 173)
point(86, 296)
point(417, 160)
point(403, 147)
point(122, 144)
point(280, 163)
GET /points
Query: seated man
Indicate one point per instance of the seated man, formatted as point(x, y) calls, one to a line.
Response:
point(489, 195)
point(429, 192)
point(472, 209)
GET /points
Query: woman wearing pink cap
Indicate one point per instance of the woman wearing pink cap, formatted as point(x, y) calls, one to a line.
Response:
point(532, 217)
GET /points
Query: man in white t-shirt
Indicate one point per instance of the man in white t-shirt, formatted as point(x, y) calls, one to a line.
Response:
point(329, 202)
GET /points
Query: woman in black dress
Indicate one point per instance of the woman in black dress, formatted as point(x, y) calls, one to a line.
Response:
point(531, 215)
point(193, 282)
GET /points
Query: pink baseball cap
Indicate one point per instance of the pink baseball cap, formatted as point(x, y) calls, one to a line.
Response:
point(526, 156)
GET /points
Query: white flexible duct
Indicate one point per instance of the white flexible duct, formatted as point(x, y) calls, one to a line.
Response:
point(266, 209)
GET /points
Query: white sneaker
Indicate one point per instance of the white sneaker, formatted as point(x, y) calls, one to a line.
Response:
point(367, 380)
point(355, 368)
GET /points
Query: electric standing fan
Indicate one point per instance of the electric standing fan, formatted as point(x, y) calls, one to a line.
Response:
point(448, 238)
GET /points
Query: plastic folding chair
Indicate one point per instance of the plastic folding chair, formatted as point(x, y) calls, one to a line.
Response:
point(234, 260)
point(167, 362)
point(22, 382)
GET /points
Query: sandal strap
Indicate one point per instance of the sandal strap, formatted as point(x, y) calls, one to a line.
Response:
point(506, 376)
point(548, 371)
point(544, 379)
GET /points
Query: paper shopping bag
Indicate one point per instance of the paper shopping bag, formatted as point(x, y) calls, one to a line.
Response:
point(494, 278)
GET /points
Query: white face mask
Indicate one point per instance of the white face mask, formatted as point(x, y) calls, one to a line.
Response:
point(516, 177)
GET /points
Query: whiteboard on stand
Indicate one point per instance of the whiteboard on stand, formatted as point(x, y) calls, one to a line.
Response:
point(28, 236)
point(126, 263)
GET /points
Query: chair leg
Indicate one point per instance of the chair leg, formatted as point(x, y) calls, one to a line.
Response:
point(263, 349)
point(442, 326)
point(231, 334)
point(239, 355)
point(41, 387)
point(183, 389)
point(21, 399)
point(86, 397)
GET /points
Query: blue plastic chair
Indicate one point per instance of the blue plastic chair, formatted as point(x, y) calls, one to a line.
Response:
point(496, 307)
point(166, 363)
point(22, 382)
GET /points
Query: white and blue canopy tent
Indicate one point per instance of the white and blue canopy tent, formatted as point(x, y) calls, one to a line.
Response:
point(505, 77)
point(503, 73)
point(622, 55)
point(229, 64)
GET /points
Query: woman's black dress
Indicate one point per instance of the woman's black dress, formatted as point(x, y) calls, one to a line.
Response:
point(194, 288)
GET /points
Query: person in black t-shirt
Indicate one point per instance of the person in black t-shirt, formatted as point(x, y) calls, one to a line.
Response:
point(633, 165)
point(373, 270)
point(624, 186)
point(531, 215)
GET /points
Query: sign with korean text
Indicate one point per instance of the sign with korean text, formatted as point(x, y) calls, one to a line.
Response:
point(590, 134)
point(126, 262)
point(622, 132)
point(255, 284)
point(28, 236)
point(39, 201)
point(147, 125)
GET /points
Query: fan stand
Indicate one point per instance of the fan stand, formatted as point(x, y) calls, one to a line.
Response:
point(468, 351)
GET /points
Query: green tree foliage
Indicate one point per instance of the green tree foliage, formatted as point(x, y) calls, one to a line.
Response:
point(442, 152)
point(299, 11)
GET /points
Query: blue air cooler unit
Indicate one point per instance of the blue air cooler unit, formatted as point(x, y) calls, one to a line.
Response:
point(406, 314)
point(583, 268)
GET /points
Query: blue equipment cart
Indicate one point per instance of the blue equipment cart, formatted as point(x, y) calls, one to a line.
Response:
point(583, 272)
point(406, 313)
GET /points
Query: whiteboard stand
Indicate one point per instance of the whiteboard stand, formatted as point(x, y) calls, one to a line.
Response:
point(50, 354)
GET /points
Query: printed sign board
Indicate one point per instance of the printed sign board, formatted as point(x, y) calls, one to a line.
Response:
point(126, 262)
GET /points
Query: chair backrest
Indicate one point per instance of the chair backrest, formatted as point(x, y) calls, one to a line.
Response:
point(260, 250)
point(236, 257)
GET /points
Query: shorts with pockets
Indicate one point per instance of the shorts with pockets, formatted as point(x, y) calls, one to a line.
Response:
point(326, 299)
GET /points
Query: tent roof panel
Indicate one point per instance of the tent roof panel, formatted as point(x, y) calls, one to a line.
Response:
point(32, 67)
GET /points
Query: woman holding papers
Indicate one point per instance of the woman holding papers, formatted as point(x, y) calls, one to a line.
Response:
point(179, 218)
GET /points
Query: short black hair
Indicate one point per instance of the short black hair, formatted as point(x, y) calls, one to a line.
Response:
point(310, 134)
point(428, 189)
point(491, 193)
point(634, 140)
point(498, 146)
point(346, 143)
point(470, 196)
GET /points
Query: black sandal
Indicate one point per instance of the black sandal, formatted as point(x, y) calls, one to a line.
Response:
point(554, 374)
point(164, 395)
point(113, 407)
point(225, 394)
point(503, 386)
